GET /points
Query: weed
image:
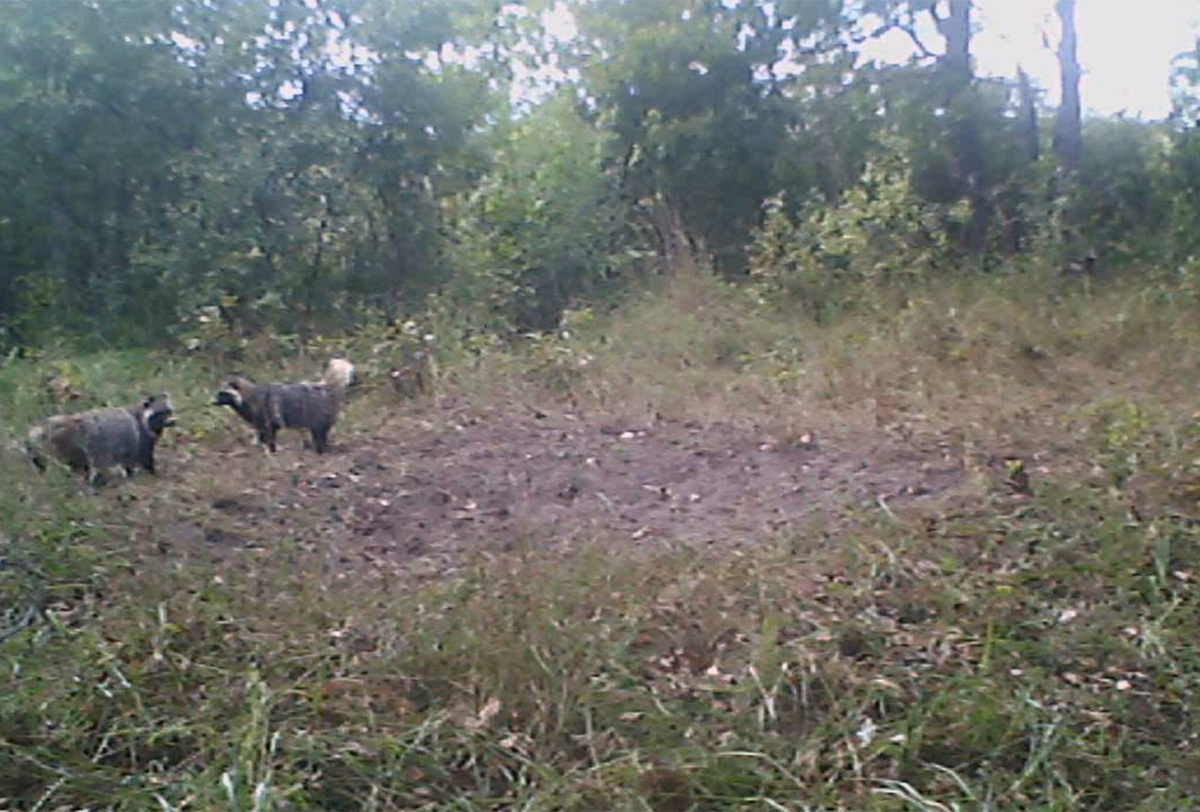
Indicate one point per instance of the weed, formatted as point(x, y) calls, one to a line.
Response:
point(998, 648)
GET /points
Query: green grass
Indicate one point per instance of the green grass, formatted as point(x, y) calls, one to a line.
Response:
point(992, 652)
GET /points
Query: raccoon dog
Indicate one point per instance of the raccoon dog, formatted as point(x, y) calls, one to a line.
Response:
point(99, 439)
point(273, 406)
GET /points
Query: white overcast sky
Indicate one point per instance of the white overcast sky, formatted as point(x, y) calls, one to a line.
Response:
point(1125, 47)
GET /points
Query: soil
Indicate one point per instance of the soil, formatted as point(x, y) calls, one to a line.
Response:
point(419, 498)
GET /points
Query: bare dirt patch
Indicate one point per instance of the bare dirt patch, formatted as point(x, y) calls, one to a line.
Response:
point(501, 481)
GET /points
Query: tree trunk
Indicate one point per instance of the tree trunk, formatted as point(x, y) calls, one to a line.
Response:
point(1015, 208)
point(1028, 116)
point(1068, 138)
point(955, 28)
point(961, 102)
point(676, 248)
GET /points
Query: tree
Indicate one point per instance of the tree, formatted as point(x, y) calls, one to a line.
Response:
point(287, 159)
point(1028, 116)
point(543, 228)
point(962, 102)
point(941, 99)
point(83, 170)
point(1068, 133)
point(700, 114)
point(1184, 156)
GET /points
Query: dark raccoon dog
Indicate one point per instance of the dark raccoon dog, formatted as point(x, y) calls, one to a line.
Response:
point(97, 440)
point(270, 407)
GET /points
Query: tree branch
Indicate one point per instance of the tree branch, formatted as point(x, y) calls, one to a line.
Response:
point(908, 28)
point(937, 18)
point(911, 30)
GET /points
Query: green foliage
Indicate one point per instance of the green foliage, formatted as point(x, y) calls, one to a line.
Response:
point(1120, 433)
point(1182, 175)
point(43, 314)
point(77, 79)
point(542, 229)
point(298, 165)
point(699, 118)
point(1121, 196)
point(1185, 85)
point(989, 649)
point(286, 155)
point(879, 238)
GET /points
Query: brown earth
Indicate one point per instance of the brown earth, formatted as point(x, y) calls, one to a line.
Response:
point(417, 498)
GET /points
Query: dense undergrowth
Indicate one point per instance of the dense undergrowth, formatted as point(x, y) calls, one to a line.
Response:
point(1023, 645)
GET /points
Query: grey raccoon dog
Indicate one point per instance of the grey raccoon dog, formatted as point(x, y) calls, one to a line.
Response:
point(270, 407)
point(97, 440)
point(416, 375)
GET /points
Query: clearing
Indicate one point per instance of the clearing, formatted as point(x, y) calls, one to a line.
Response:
point(414, 495)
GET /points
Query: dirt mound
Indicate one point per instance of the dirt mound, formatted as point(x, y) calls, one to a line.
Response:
point(496, 482)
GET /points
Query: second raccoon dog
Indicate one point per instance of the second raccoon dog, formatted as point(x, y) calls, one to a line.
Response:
point(270, 407)
point(99, 439)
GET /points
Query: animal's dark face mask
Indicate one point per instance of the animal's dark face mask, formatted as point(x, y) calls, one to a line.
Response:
point(159, 413)
point(229, 396)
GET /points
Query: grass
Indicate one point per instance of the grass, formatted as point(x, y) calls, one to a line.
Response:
point(995, 651)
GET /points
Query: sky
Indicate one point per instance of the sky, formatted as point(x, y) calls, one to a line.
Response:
point(1125, 48)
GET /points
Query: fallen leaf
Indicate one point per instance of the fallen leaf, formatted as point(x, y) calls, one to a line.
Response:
point(485, 715)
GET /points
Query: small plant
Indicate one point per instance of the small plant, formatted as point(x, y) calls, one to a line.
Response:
point(1122, 436)
point(209, 332)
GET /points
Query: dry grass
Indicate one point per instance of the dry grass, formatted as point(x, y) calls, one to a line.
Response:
point(998, 651)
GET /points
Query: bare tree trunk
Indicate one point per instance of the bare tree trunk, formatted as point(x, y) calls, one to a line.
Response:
point(1068, 138)
point(1068, 135)
point(676, 246)
point(1028, 116)
point(955, 28)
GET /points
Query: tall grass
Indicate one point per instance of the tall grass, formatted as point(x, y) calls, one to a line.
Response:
point(996, 651)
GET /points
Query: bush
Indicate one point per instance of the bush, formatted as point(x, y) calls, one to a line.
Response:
point(879, 239)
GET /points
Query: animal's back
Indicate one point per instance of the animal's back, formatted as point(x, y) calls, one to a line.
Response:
point(98, 438)
point(111, 437)
point(302, 405)
point(58, 435)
